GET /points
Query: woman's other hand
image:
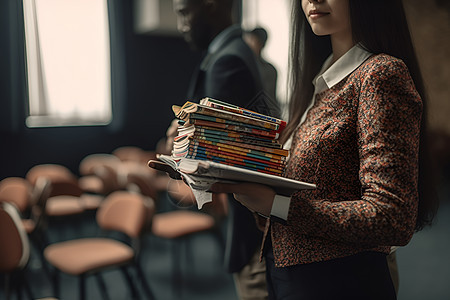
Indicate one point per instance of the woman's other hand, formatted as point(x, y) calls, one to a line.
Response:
point(256, 197)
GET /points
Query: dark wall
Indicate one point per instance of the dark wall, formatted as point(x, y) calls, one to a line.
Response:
point(155, 75)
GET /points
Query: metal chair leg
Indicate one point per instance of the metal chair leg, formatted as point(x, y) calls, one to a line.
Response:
point(18, 291)
point(27, 288)
point(82, 281)
point(7, 286)
point(131, 285)
point(188, 251)
point(55, 279)
point(177, 282)
point(102, 286)
point(145, 284)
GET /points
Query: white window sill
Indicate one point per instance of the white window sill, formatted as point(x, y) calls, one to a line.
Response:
point(52, 121)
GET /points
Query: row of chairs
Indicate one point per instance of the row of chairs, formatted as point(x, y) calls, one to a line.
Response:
point(121, 211)
point(176, 224)
point(123, 175)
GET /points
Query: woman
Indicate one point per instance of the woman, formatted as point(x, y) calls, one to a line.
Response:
point(356, 120)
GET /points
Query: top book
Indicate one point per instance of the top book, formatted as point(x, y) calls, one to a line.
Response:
point(222, 110)
point(239, 110)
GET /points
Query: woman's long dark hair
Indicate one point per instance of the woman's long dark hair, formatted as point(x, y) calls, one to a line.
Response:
point(380, 26)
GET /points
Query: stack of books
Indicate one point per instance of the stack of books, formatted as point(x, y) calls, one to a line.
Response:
point(223, 133)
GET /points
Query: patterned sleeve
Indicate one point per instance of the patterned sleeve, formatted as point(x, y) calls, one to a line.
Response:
point(387, 131)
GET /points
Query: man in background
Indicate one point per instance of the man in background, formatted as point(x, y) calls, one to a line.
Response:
point(228, 72)
point(257, 39)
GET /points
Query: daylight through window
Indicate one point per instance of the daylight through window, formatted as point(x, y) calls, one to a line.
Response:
point(68, 62)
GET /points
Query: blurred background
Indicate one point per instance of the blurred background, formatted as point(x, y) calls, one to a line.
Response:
point(82, 77)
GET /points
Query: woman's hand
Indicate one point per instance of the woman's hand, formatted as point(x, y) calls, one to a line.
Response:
point(256, 197)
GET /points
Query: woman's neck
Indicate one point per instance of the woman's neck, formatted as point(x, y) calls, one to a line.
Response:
point(341, 44)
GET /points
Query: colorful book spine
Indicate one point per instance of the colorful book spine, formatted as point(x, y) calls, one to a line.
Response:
point(238, 155)
point(240, 137)
point(181, 152)
point(248, 147)
point(185, 133)
point(229, 146)
point(229, 133)
point(254, 131)
point(243, 140)
point(226, 121)
point(243, 160)
point(219, 131)
point(189, 108)
point(231, 162)
point(239, 110)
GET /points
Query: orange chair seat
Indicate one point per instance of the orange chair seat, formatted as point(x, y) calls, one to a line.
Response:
point(79, 256)
point(63, 205)
point(179, 223)
point(91, 183)
point(91, 202)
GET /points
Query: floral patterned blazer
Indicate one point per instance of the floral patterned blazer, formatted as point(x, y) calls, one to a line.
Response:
point(359, 144)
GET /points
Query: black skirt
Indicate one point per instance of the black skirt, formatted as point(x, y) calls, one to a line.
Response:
point(364, 276)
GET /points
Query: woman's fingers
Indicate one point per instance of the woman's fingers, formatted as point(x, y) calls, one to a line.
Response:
point(256, 197)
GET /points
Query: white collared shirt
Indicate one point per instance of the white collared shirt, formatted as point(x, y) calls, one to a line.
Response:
point(328, 76)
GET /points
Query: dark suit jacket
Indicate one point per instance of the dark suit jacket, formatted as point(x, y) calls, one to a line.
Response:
point(231, 74)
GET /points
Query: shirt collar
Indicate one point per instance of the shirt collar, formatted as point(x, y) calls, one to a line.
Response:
point(330, 75)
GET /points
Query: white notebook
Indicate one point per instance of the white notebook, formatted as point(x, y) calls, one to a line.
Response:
point(198, 169)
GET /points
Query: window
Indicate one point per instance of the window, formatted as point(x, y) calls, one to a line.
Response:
point(274, 16)
point(68, 62)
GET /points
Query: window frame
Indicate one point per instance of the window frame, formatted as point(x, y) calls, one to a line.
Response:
point(117, 75)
